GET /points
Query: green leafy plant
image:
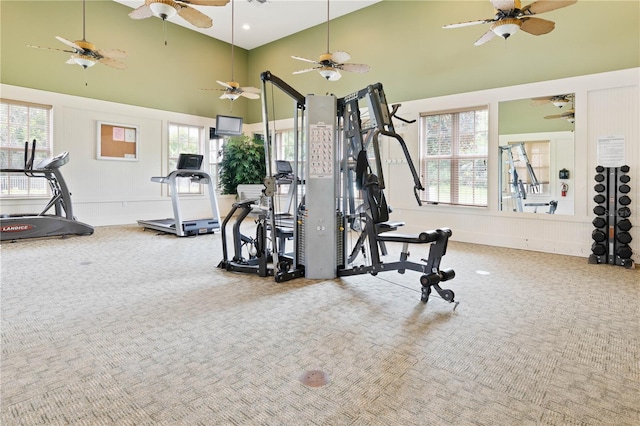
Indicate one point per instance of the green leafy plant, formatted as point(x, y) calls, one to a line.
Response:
point(242, 163)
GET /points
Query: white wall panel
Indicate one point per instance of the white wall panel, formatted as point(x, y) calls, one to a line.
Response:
point(109, 193)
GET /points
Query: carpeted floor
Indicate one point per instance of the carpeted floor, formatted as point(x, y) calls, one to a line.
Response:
point(127, 327)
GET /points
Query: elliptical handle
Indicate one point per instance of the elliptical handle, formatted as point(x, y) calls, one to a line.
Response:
point(28, 162)
point(26, 155)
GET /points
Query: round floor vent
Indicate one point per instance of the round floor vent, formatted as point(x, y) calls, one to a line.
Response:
point(314, 378)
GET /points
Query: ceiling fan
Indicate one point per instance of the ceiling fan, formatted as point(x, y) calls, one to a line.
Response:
point(557, 100)
point(167, 9)
point(330, 64)
point(232, 89)
point(511, 16)
point(85, 53)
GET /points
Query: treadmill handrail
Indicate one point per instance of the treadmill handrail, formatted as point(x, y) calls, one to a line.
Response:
point(200, 175)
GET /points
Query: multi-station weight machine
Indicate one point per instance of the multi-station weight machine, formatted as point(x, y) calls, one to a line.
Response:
point(338, 191)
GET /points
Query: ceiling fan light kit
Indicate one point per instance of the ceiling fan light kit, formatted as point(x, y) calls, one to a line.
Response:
point(506, 27)
point(163, 9)
point(82, 60)
point(329, 73)
point(560, 102)
point(230, 95)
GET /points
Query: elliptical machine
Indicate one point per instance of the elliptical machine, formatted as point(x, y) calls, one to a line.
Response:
point(43, 224)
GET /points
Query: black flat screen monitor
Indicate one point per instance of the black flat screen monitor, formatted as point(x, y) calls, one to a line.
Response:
point(190, 161)
point(228, 126)
point(283, 167)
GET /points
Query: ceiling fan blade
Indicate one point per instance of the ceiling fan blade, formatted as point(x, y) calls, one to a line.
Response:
point(340, 57)
point(536, 26)
point(113, 63)
point(336, 76)
point(307, 70)
point(304, 59)
point(222, 83)
point(253, 90)
point(205, 2)
point(361, 68)
point(469, 23)
point(51, 48)
point(488, 36)
point(142, 12)
point(195, 17)
point(566, 114)
point(540, 101)
point(112, 53)
point(250, 95)
point(553, 117)
point(70, 44)
point(504, 5)
point(542, 6)
point(568, 97)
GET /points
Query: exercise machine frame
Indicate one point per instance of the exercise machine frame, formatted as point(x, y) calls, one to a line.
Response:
point(44, 224)
point(337, 144)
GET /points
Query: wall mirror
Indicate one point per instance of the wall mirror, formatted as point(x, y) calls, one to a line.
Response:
point(536, 155)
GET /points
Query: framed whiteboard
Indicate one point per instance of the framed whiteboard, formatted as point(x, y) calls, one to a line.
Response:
point(117, 141)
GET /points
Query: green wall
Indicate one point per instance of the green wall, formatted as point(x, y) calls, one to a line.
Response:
point(414, 57)
point(522, 116)
point(162, 77)
point(403, 41)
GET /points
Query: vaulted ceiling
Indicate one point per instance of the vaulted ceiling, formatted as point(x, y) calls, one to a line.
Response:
point(268, 20)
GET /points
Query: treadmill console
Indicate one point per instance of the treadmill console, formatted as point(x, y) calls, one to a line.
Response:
point(190, 161)
point(54, 162)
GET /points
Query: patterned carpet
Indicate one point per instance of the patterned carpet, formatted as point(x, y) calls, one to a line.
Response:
point(127, 327)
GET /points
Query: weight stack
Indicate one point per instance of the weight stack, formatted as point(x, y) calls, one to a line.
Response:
point(611, 236)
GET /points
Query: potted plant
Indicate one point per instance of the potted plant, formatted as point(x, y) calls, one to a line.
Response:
point(243, 162)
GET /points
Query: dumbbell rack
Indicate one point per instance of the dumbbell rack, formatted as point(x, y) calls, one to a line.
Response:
point(611, 235)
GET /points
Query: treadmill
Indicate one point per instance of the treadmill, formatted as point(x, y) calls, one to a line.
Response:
point(61, 222)
point(188, 167)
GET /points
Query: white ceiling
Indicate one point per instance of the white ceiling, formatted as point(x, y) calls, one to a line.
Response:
point(269, 20)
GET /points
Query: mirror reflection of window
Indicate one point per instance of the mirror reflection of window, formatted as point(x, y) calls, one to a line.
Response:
point(544, 125)
point(534, 166)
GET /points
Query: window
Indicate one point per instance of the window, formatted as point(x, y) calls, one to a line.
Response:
point(22, 122)
point(453, 156)
point(285, 145)
point(537, 153)
point(216, 145)
point(285, 150)
point(184, 139)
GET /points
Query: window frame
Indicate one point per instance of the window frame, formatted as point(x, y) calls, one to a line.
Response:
point(35, 188)
point(479, 185)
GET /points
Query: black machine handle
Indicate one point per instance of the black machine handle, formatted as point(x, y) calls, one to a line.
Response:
point(417, 185)
point(28, 162)
point(394, 109)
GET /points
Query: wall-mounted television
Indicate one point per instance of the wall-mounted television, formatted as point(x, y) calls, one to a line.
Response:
point(228, 126)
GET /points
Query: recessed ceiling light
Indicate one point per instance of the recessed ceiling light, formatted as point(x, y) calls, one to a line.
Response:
point(246, 27)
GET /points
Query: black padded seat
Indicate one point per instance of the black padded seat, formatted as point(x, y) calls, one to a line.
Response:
point(422, 238)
